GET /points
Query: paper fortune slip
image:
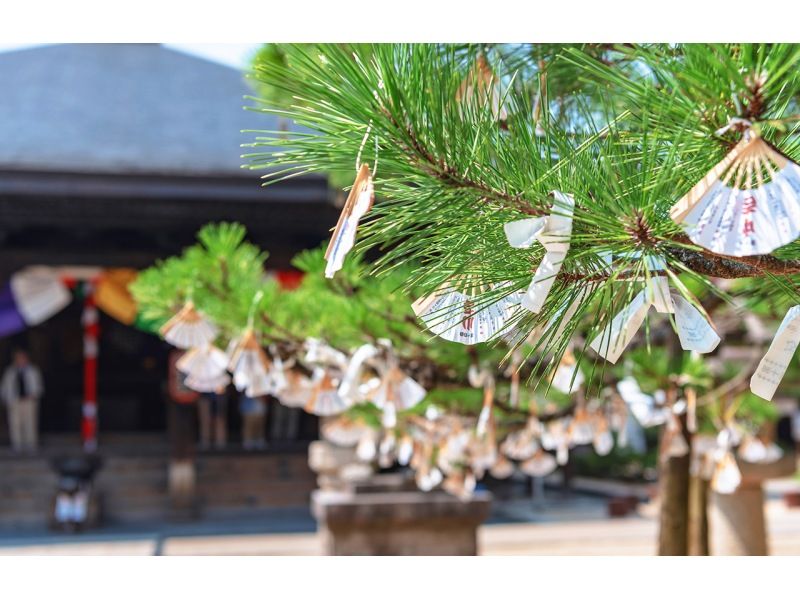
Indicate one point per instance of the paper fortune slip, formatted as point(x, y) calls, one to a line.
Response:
point(359, 202)
point(481, 85)
point(553, 232)
point(398, 390)
point(462, 317)
point(773, 365)
point(748, 204)
point(694, 331)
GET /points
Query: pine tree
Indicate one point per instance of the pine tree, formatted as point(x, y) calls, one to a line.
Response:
point(626, 130)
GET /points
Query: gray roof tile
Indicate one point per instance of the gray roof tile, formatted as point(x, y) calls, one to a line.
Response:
point(132, 108)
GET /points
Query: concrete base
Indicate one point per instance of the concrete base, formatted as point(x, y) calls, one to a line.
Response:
point(399, 523)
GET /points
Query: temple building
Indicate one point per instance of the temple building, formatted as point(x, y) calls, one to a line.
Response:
point(113, 156)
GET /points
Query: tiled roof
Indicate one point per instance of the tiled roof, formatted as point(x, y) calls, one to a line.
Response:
point(122, 108)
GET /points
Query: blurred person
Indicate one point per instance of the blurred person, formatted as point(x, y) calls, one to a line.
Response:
point(21, 388)
point(254, 413)
point(284, 422)
point(212, 410)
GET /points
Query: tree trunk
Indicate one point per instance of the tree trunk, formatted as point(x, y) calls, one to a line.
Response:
point(673, 533)
point(698, 516)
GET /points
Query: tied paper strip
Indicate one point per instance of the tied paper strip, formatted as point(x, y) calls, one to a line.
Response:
point(773, 365)
point(553, 232)
point(694, 331)
point(348, 387)
point(359, 201)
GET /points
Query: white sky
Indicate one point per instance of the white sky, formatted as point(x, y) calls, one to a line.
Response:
point(235, 55)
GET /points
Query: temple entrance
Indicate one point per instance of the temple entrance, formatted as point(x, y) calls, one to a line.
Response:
point(132, 373)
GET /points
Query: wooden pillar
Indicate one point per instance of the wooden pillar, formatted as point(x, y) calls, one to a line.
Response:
point(182, 433)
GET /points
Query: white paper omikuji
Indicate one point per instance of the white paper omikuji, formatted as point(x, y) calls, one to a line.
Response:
point(404, 391)
point(367, 448)
point(343, 432)
point(734, 210)
point(320, 353)
point(461, 318)
point(203, 363)
point(428, 478)
point(727, 476)
point(540, 465)
point(694, 331)
point(520, 445)
point(553, 232)
point(349, 386)
point(39, 293)
point(188, 328)
point(603, 442)
point(502, 468)
point(481, 85)
point(324, 397)
point(613, 339)
point(568, 378)
point(642, 406)
point(208, 384)
point(405, 450)
point(773, 365)
point(359, 201)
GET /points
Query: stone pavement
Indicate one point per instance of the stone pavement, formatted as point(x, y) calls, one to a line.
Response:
point(560, 526)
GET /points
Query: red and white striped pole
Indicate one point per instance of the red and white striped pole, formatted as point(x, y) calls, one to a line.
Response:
point(91, 333)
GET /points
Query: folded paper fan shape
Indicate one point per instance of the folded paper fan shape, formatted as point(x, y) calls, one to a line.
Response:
point(250, 366)
point(520, 445)
point(748, 204)
point(580, 430)
point(215, 384)
point(297, 390)
point(502, 468)
point(204, 368)
point(39, 294)
point(460, 484)
point(203, 362)
point(398, 389)
point(540, 465)
point(342, 431)
point(359, 202)
point(325, 399)
point(188, 328)
point(456, 312)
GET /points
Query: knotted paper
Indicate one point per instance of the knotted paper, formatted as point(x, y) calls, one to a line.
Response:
point(773, 365)
point(553, 232)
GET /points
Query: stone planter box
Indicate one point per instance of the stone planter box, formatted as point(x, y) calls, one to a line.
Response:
point(404, 523)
